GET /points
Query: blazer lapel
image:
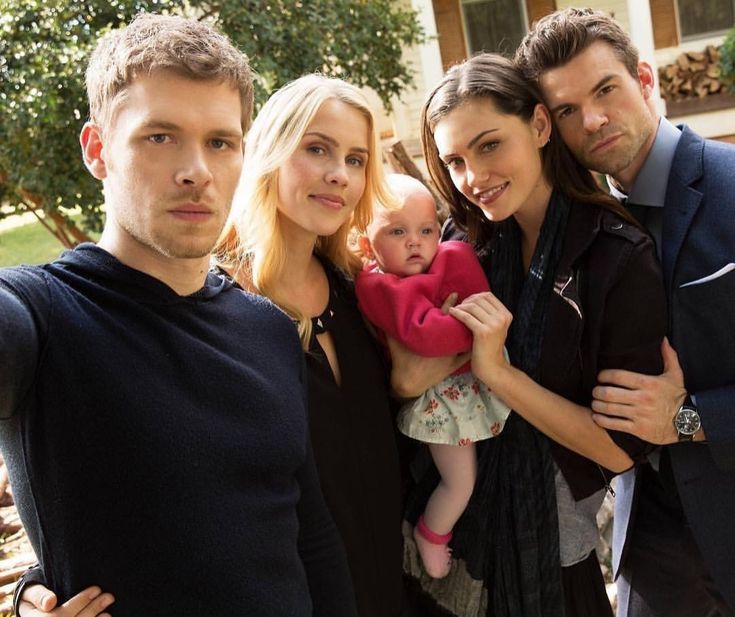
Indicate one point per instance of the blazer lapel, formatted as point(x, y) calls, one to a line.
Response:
point(682, 200)
point(564, 320)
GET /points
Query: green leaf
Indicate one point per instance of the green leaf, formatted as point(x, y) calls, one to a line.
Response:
point(727, 60)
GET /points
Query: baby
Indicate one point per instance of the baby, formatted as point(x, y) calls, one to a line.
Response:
point(400, 291)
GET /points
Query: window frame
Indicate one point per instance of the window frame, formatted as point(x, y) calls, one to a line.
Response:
point(699, 35)
point(523, 15)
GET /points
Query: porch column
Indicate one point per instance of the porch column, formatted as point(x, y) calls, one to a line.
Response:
point(641, 32)
point(431, 59)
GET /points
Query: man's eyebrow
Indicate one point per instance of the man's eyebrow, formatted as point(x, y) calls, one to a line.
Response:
point(601, 83)
point(166, 125)
point(593, 89)
point(159, 124)
point(229, 133)
point(333, 142)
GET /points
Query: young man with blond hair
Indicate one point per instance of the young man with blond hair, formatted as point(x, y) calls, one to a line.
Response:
point(673, 541)
point(154, 419)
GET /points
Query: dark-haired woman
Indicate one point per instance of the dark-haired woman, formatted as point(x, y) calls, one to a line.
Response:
point(575, 289)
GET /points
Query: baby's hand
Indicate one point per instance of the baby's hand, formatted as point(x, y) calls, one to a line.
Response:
point(449, 302)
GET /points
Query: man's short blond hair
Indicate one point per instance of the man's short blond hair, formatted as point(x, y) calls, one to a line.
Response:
point(152, 42)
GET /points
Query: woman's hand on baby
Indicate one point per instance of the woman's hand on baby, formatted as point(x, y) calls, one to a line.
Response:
point(37, 601)
point(488, 320)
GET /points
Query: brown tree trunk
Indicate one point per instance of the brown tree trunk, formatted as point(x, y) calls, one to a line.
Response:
point(64, 230)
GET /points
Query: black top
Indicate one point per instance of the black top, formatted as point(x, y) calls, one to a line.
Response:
point(608, 310)
point(140, 425)
point(352, 430)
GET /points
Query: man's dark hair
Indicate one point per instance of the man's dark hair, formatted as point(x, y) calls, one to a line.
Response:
point(557, 38)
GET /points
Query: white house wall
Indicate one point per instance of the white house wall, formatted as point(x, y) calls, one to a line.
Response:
point(427, 64)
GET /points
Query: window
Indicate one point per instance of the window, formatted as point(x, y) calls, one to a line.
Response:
point(704, 17)
point(494, 25)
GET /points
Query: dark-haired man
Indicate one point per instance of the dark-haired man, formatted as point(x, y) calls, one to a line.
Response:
point(673, 535)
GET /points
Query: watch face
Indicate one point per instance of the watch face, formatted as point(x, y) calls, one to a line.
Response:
point(687, 421)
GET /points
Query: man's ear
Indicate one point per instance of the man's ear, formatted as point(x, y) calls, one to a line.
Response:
point(541, 123)
point(92, 150)
point(646, 79)
point(366, 248)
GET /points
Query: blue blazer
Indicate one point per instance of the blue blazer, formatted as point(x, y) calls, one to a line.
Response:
point(698, 242)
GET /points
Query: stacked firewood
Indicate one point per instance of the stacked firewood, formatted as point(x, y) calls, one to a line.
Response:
point(16, 553)
point(694, 74)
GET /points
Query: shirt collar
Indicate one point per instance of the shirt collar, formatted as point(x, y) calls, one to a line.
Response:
point(649, 188)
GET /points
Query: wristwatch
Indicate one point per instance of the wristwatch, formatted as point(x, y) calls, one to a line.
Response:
point(687, 421)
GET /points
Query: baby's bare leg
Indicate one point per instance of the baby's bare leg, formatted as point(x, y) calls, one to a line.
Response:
point(457, 466)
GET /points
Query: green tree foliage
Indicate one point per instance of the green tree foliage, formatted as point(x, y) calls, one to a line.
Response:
point(357, 40)
point(44, 45)
point(727, 60)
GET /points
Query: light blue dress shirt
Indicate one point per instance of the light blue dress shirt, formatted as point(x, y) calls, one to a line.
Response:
point(649, 188)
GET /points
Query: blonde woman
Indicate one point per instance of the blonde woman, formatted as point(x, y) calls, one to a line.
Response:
point(312, 172)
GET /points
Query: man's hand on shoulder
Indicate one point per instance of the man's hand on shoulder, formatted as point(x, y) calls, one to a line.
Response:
point(642, 405)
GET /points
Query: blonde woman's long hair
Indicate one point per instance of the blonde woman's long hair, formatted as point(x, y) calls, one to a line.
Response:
point(252, 246)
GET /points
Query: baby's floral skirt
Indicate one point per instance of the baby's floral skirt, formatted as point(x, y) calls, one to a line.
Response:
point(458, 411)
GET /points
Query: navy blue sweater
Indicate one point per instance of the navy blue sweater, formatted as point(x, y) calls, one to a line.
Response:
point(158, 444)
